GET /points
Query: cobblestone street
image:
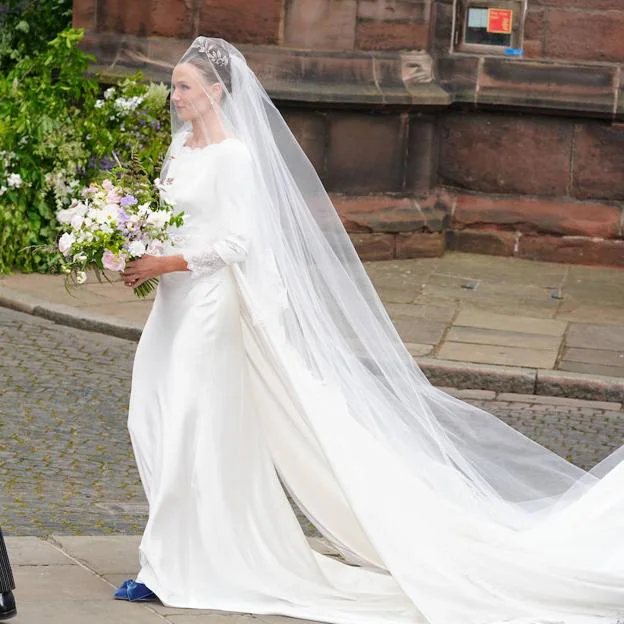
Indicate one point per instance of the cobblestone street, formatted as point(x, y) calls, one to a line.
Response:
point(66, 465)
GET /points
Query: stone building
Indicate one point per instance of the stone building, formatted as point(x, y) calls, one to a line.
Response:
point(478, 125)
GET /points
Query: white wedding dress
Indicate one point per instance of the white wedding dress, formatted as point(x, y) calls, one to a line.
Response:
point(220, 406)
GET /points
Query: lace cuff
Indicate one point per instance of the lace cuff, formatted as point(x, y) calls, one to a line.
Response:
point(203, 263)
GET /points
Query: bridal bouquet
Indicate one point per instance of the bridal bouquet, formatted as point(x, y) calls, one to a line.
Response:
point(112, 222)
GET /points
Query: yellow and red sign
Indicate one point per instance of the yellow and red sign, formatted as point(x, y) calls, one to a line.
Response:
point(500, 21)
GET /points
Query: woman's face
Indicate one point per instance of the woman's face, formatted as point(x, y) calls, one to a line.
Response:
point(191, 95)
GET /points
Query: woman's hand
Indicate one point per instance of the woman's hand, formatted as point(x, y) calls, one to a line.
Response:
point(144, 268)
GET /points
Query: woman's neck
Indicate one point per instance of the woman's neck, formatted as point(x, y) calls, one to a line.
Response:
point(206, 130)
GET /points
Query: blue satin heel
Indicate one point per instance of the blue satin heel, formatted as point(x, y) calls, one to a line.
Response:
point(134, 592)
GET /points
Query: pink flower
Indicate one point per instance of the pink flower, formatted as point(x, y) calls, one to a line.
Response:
point(113, 262)
point(65, 243)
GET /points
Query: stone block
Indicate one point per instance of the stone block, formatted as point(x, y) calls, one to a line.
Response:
point(599, 162)
point(458, 75)
point(580, 386)
point(123, 17)
point(534, 24)
point(103, 554)
point(505, 322)
point(171, 19)
point(379, 213)
point(585, 336)
point(505, 153)
point(373, 246)
point(572, 249)
point(419, 245)
point(591, 368)
point(442, 35)
point(422, 154)
point(365, 153)
point(491, 242)
point(395, 35)
point(32, 551)
point(594, 5)
point(84, 14)
point(495, 354)
point(241, 21)
point(481, 376)
point(309, 129)
point(320, 24)
point(538, 215)
point(547, 85)
point(394, 10)
point(580, 35)
point(503, 337)
point(533, 49)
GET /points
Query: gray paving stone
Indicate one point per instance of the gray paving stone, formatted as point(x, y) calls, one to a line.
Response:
point(504, 338)
point(60, 583)
point(495, 354)
point(613, 358)
point(33, 551)
point(522, 324)
point(419, 331)
point(102, 554)
point(214, 618)
point(588, 336)
point(84, 612)
point(592, 369)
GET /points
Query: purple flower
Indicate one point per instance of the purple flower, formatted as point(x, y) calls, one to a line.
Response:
point(128, 200)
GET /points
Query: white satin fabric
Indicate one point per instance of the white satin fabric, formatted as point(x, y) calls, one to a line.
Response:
point(220, 405)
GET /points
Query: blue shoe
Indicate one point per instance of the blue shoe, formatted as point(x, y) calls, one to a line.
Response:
point(134, 592)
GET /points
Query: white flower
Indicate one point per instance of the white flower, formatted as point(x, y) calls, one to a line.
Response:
point(3, 190)
point(111, 212)
point(80, 257)
point(76, 221)
point(108, 94)
point(65, 243)
point(155, 248)
point(127, 105)
point(144, 209)
point(14, 180)
point(99, 103)
point(81, 277)
point(158, 218)
point(136, 249)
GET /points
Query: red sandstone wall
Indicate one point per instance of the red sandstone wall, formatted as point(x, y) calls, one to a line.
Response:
point(586, 30)
point(310, 24)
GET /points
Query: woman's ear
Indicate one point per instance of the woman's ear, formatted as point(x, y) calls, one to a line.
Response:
point(216, 91)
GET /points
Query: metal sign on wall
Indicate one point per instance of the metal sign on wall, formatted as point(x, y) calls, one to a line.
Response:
point(500, 21)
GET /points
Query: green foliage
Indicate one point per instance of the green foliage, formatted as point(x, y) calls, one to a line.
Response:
point(56, 136)
point(27, 25)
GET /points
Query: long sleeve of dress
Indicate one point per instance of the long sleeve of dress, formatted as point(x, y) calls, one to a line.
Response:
point(234, 185)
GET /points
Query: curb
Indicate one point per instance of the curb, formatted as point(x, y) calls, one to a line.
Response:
point(518, 380)
point(445, 373)
point(70, 316)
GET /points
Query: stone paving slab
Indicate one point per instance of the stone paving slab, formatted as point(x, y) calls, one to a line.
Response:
point(606, 357)
point(496, 354)
point(503, 338)
point(505, 322)
point(588, 336)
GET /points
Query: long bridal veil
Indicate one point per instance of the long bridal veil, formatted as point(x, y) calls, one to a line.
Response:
point(516, 500)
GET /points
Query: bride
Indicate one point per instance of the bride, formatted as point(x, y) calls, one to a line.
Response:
point(268, 358)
